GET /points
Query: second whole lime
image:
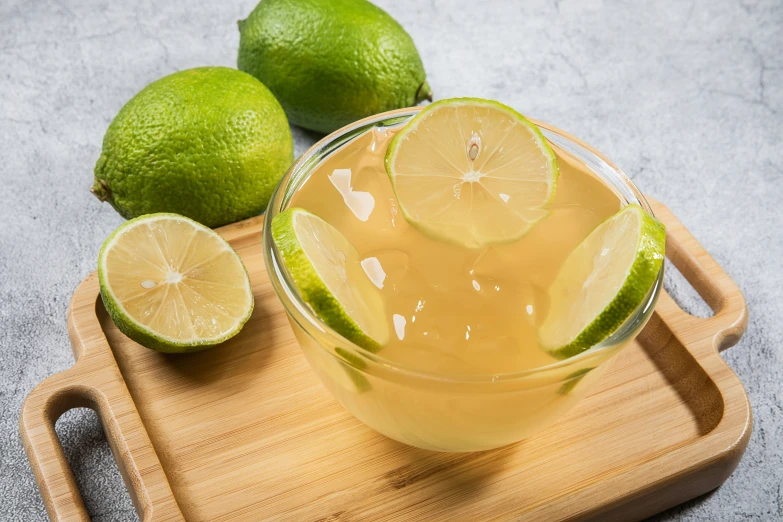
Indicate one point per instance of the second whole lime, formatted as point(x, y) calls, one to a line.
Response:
point(331, 62)
point(209, 143)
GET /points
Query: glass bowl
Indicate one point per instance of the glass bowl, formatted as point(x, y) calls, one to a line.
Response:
point(438, 411)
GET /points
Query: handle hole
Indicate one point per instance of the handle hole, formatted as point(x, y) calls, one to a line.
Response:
point(683, 293)
point(89, 456)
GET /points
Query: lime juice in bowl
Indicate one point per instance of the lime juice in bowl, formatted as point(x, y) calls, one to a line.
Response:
point(457, 277)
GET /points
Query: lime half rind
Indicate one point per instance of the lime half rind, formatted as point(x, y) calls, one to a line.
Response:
point(326, 270)
point(604, 280)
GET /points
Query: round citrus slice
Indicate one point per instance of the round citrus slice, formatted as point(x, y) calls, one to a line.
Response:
point(327, 271)
point(603, 281)
point(172, 284)
point(472, 172)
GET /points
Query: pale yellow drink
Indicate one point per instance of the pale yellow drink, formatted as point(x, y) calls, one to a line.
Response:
point(458, 372)
point(452, 309)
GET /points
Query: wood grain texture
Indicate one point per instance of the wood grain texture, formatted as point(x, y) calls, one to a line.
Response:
point(246, 432)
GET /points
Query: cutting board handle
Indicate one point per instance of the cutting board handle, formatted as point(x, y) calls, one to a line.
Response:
point(707, 277)
point(45, 404)
point(94, 382)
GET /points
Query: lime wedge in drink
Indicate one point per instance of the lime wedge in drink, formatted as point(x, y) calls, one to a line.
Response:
point(346, 370)
point(603, 281)
point(472, 172)
point(172, 284)
point(327, 271)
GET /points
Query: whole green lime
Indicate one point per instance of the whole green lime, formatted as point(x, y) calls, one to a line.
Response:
point(331, 62)
point(208, 143)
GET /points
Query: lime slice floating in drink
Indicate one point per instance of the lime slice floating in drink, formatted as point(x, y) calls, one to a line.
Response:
point(472, 172)
point(327, 271)
point(603, 281)
point(172, 284)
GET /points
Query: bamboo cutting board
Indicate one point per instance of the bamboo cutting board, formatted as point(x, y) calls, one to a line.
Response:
point(246, 432)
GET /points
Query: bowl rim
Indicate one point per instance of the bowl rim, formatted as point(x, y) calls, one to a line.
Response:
point(303, 315)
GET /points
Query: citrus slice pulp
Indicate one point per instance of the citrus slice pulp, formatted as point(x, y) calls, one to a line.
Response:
point(603, 281)
point(172, 284)
point(472, 172)
point(327, 271)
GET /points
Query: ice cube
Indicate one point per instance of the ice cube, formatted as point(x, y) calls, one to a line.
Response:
point(386, 268)
point(374, 270)
point(360, 203)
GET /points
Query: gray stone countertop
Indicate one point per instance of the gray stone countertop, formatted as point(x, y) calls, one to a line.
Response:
point(686, 96)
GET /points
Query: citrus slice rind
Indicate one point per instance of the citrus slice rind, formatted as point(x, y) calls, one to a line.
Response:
point(472, 172)
point(172, 284)
point(603, 281)
point(327, 272)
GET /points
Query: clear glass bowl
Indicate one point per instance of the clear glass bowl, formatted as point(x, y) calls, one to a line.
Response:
point(438, 411)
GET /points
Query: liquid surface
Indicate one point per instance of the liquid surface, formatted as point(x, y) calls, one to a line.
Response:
point(450, 309)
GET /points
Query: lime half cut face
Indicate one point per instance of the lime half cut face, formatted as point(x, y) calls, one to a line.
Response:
point(327, 271)
point(606, 278)
point(172, 284)
point(472, 172)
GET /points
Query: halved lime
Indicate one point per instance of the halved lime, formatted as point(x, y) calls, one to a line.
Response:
point(172, 284)
point(472, 172)
point(327, 271)
point(603, 281)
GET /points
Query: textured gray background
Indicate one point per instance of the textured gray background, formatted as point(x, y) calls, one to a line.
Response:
point(687, 96)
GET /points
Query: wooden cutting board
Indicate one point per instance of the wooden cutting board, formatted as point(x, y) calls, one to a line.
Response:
point(246, 432)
